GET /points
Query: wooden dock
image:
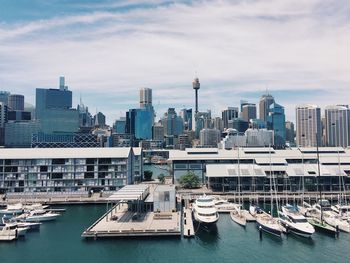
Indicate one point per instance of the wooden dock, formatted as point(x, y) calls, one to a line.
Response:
point(188, 229)
point(119, 222)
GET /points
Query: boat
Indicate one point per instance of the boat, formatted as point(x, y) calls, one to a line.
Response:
point(35, 206)
point(12, 209)
point(321, 225)
point(248, 216)
point(38, 216)
point(342, 210)
point(21, 230)
point(29, 225)
point(204, 210)
point(294, 222)
point(266, 222)
point(238, 217)
point(224, 206)
point(8, 233)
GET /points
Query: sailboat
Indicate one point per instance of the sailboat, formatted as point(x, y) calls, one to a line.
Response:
point(236, 214)
point(266, 222)
point(317, 221)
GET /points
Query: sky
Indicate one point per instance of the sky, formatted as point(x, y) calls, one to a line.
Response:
point(299, 51)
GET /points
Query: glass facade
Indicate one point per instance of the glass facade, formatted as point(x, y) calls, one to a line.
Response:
point(276, 122)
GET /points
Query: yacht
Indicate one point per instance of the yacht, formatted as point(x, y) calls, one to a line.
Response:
point(21, 230)
point(266, 222)
point(224, 206)
point(12, 209)
point(238, 217)
point(204, 210)
point(342, 210)
point(38, 216)
point(293, 221)
point(8, 233)
point(29, 225)
point(35, 206)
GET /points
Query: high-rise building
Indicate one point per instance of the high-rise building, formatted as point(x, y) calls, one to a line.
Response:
point(16, 102)
point(264, 104)
point(196, 86)
point(119, 125)
point(85, 117)
point(18, 134)
point(308, 125)
point(145, 98)
point(248, 111)
point(54, 111)
point(158, 132)
point(4, 95)
point(139, 123)
point(210, 137)
point(276, 122)
point(203, 121)
point(238, 124)
point(218, 124)
point(290, 132)
point(186, 115)
point(100, 120)
point(3, 114)
point(337, 126)
point(229, 114)
point(173, 124)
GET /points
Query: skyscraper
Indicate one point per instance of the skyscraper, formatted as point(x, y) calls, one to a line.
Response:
point(229, 114)
point(100, 120)
point(337, 126)
point(196, 86)
point(210, 137)
point(264, 104)
point(54, 111)
point(249, 111)
point(173, 124)
point(186, 115)
point(119, 125)
point(4, 95)
point(145, 98)
point(139, 123)
point(308, 124)
point(290, 133)
point(276, 122)
point(16, 102)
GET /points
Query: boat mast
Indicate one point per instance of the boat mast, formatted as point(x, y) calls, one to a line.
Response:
point(319, 176)
point(271, 197)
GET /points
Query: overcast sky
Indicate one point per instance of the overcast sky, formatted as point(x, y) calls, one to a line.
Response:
point(107, 50)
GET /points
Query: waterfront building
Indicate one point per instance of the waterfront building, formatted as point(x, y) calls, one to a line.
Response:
point(248, 111)
point(119, 125)
point(210, 137)
point(337, 126)
point(217, 168)
point(78, 169)
point(229, 114)
point(308, 125)
point(290, 133)
point(16, 102)
point(18, 134)
point(276, 122)
point(264, 104)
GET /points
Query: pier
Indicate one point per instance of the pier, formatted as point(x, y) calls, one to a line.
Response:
point(188, 229)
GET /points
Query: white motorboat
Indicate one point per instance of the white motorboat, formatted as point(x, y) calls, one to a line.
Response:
point(21, 230)
point(266, 222)
point(204, 210)
point(8, 233)
point(238, 217)
point(35, 206)
point(38, 216)
point(342, 210)
point(12, 209)
point(293, 221)
point(337, 221)
point(29, 225)
point(224, 206)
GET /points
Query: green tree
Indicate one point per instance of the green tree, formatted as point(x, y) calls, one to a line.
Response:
point(161, 178)
point(147, 175)
point(189, 180)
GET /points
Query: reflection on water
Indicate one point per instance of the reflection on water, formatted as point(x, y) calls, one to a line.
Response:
point(207, 236)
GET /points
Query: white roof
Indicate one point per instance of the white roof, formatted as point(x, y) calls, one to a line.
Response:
point(231, 170)
point(50, 153)
point(130, 193)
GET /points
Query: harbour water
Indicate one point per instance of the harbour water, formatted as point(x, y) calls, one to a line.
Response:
point(60, 241)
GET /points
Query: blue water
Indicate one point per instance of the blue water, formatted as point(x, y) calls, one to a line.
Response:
point(60, 241)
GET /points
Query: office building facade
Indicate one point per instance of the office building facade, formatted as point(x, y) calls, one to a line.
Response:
point(308, 125)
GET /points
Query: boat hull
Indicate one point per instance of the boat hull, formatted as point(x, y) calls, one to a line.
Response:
point(268, 229)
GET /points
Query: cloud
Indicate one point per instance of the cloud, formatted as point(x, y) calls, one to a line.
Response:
point(234, 46)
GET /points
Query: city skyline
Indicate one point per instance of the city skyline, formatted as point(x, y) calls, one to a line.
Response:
point(108, 50)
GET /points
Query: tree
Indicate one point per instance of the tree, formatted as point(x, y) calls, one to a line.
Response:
point(161, 178)
point(189, 180)
point(147, 175)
